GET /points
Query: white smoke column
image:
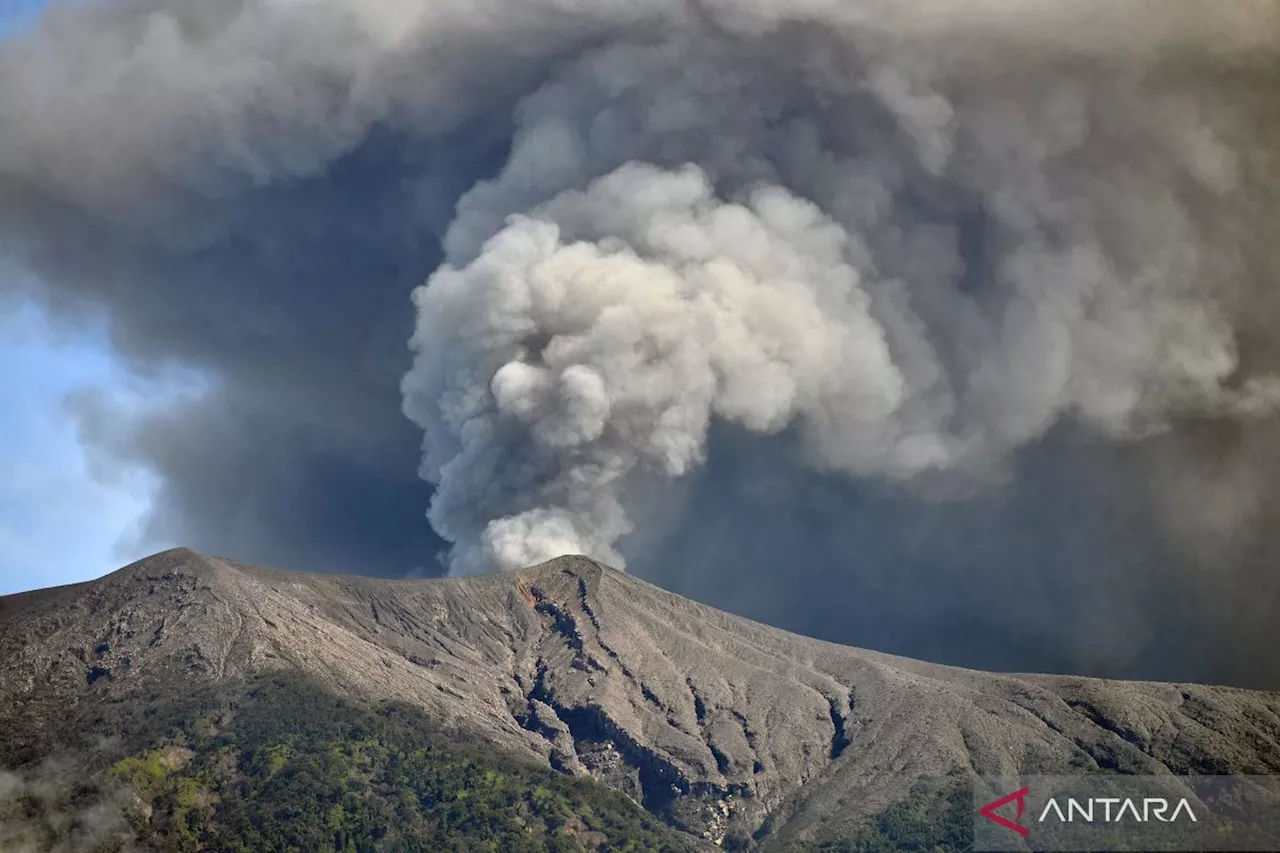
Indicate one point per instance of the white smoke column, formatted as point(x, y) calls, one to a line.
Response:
point(606, 329)
point(715, 224)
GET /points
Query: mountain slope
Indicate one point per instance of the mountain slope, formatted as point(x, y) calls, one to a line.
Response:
point(712, 722)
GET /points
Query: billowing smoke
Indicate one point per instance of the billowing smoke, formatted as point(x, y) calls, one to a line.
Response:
point(763, 220)
point(943, 327)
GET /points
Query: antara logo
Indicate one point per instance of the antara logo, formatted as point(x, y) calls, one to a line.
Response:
point(1020, 797)
point(1091, 810)
point(1114, 810)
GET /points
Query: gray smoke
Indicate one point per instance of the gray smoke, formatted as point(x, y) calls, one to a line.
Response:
point(940, 327)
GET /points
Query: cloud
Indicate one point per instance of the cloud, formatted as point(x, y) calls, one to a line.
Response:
point(945, 330)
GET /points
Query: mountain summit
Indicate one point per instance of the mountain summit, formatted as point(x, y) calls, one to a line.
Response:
point(712, 722)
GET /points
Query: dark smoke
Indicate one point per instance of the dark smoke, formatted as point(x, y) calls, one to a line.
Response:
point(939, 327)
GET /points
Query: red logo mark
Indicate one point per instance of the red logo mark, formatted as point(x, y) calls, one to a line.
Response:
point(989, 811)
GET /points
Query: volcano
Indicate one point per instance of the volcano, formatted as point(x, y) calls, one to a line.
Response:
point(720, 727)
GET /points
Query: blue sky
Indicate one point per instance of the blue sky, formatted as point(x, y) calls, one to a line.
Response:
point(14, 14)
point(58, 522)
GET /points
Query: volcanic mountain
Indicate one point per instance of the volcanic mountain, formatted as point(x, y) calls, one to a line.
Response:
point(722, 727)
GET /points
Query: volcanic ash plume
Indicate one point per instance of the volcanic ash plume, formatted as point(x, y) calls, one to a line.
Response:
point(913, 244)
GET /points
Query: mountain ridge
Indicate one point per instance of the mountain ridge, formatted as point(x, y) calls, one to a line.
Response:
point(709, 720)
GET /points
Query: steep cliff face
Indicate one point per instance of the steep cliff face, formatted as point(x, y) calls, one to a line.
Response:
point(713, 722)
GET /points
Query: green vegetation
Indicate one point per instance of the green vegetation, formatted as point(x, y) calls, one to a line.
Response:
point(298, 769)
point(284, 766)
point(936, 817)
point(145, 773)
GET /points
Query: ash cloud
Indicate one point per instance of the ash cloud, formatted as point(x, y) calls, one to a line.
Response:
point(943, 328)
